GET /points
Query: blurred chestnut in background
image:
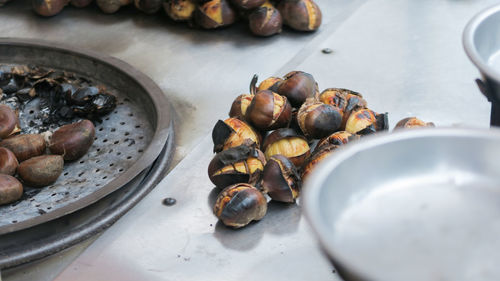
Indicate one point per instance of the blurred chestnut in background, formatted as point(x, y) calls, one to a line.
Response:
point(80, 3)
point(72, 141)
point(303, 15)
point(236, 165)
point(412, 122)
point(265, 21)
point(214, 14)
point(48, 8)
point(317, 157)
point(148, 6)
point(337, 138)
point(10, 189)
point(180, 10)
point(280, 179)
point(25, 146)
point(41, 170)
point(297, 87)
point(8, 162)
point(8, 121)
point(233, 132)
point(365, 121)
point(269, 111)
point(112, 6)
point(239, 204)
point(287, 142)
point(318, 120)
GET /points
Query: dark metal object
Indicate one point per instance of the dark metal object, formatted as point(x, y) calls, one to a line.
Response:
point(49, 238)
point(126, 144)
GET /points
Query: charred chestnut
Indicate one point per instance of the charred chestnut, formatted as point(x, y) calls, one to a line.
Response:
point(48, 8)
point(8, 162)
point(265, 21)
point(233, 132)
point(10, 189)
point(318, 120)
point(412, 122)
point(316, 158)
point(365, 121)
point(72, 141)
point(148, 6)
point(214, 13)
point(346, 100)
point(240, 105)
point(239, 204)
point(280, 179)
point(8, 121)
point(287, 142)
point(297, 87)
point(303, 15)
point(80, 3)
point(112, 6)
point(41, 170)
point(248, 4)
point(337, 138)
point(271, 83)
point(25, 146)
point(180, 10)
point(269, 111)
point(236, 165)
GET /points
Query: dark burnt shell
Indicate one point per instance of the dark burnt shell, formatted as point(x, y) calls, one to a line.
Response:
point(295, 148)
point(214, 14)
point(239, 204)
point(280, 179)
point(265, 21)
point(297, 87)
point(229, 159)
point(365, 121)
point(269, 111)
point(303, 15)
point(346, 100)
point(233, 132)
point(318, 120)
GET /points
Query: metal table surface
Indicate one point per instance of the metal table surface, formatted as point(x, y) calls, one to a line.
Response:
point(406, 57)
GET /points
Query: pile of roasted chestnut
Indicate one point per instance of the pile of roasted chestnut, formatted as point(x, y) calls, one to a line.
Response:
point(276, 135)
point(265, 17)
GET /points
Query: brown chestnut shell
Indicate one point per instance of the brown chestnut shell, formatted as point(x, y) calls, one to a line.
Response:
point(25, 146)
point(271, 84)
point(72, 141)
point(248, 4)
point(412, 122)
point(287, 142)
point(346, 100)
point(179, 10)
point(148, 6)
point(318, 120)
point(239, 204)
point(112, 6)
point(41, 170)
point(8, 121)
point(297, 87)
point(233, 132)
point(265, 21)
point(11, 189)
point(303, 15)
point(8, 162)
point(214, 14)
point(280, 179)
point(316, 158)
point(240, 105)
point(365, 121)
point(269, 111)
point(337, 138)
point(48, 8)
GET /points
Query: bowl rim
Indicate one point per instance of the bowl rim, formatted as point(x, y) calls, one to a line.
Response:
point(314, 184)
point(470, 47)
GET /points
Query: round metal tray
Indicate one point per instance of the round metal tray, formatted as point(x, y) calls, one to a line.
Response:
point(127, 141)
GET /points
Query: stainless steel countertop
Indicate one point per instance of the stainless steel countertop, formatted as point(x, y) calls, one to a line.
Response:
point(405, 57)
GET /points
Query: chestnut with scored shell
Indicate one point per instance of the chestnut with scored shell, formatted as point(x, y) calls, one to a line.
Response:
point(48, 8)
point(289, 143)
point(179, 10)
point(280, 179)
point(365, 121)
point(303, 15)
point(72, 141)
point(271, 83)
point(214, 14)
point(346, 100)
point(8, 121)
point(41, 170)
point(412, 122)
point(8, 162)
point(297, 87)
point(337, 138)
point(25, 146)
point(240, 105)
point(265, 21)
point(239, 204)
point(269, 111)
point(233, 132)
point(318, 120)
point(11, 189)
point(235, 165)
point(316, 158)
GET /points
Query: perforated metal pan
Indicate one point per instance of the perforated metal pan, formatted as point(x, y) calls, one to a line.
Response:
point(127, 141)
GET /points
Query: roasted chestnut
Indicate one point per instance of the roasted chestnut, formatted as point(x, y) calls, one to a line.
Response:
point(337, 138)
point(248, 4)
point(148, 6)
point(25, 146)
point(240, 105)
point(346, 100)
point(287, 142)
point(233, 132)
point(236, 165)
point(80, 3)
point(265, 21)
point(112, 6)
point(412, 122)
point(214, 13)
point(303, 15)
point(280, 179)
point(8, 162)
point(365, 121)
point(8, 121)
point(10, 189)
point(180, 10)
point(48, 8)
point(271, 83)
point(72, 141)
point(269, 111)
point(41, 171)
point(318, 120)
point(239, 204)
point(316, 158)
point(297, 87)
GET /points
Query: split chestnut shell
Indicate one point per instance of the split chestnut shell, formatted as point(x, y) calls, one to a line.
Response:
point(240, 106)
point(365, 121)
point(233, 132)
point(239, 204)
point(214, 13)
point(180, 10)
point(337, 138)
point(269, 111)
point(271, 83)
point(280, 179)
point(297, 87)
point(316, 158)
point(318, 120)
point(289, 143)
point(346, 100)
point(265, 21)
point(412, 122)
point(303, 15)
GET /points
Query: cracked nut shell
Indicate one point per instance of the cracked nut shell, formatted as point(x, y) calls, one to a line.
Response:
point(318, 120)
point(214, 14)
point(412, 122)
point(289, 143)
point(179, 10)
point(265, 21)
point(280, 179)
point(365, 121)
point(269, 111)
point(297, 87)
point(233, 132)
point(303, 15)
